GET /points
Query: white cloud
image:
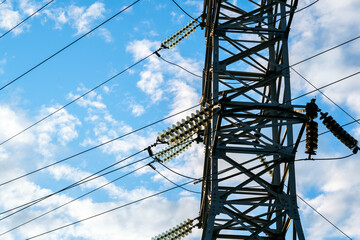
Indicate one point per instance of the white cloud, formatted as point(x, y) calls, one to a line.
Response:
point(122, 222)
point(176, 18)
point(142, 48)
point(105, 127)
point(336, 183)
point(189, 163)
point(84, 17)
point(11, 122)
point(61, 126)
point(330, 187)
point(329, 27)
point(9, 18)
point(106, 89)
point(152, 33)
point(58, 15)
point(151, 79)
point(92, 99)
point(198, 5)
point(160, 6)
point(106, 34)
point(185, 97)
point(137, 109)
point(80, 18)
point(2, 62)
point(62, 123)
point(189, 64)
point(58, 129)
point(29, 7)
point(151, 83)
point(182, 86)
point(151, 215)
point(337, 208)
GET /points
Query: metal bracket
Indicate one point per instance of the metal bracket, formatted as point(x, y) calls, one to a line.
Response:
point(290, 204)
point(217, 204)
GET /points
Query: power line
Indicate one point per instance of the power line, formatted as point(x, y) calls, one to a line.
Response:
point(325, 95)
point(73, 200)
point(77, 98)
point(70, 44)
point(324, 217)
point(111, 210)
point(321, 214)
point(24, 20)
point(99, 145)
point(179, 66)
point(68, 158)
point(93, 89)
point(102, 213)
point(64, 106)
point(324, 159)
point(346, 124)
point(2, 2)
point(82, 181)
point(327, 85)
point(86, 179)
point(182, 175)
point(325, 51)
point(301, 9)
point(182, 9)
point(172, 181)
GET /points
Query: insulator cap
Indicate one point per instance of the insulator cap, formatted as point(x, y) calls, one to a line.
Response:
point(339, 132)
point(311, 110)
point(186, 128)
point(173, 151)
point(311, 137)
point(177, 232)
point(176, 38)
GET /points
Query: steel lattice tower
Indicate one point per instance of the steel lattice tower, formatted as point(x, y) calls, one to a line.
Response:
point(249, 191)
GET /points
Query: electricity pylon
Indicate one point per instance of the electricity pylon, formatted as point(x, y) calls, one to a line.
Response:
point(249, 189)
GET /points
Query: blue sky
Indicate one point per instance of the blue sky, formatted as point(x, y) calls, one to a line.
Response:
point(148, 92)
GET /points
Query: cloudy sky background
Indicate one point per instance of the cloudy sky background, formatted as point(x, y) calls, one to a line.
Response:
point(148, 92)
